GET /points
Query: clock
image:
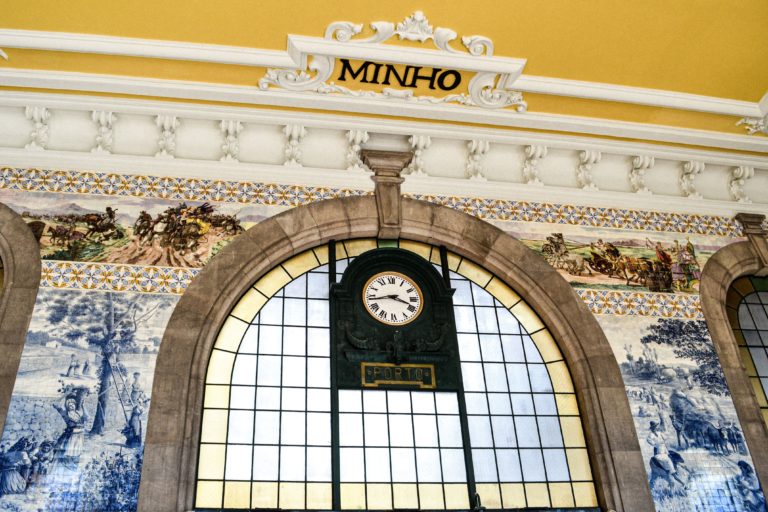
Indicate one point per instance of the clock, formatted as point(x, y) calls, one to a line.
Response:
point(392, 298)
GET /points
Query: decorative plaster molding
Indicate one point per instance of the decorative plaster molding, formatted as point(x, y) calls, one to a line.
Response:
point(230, 147)
point(38, 137)
point(587, 159)
point(167, 142)
point(640, 164)
point(104, 121)
point(533, 154)
point(475, 170)
point(739, 176)
point(294, 134)
point(489, 88)
point(249, 95)
point(419, 143)
point(241, 56)
point(754, 125)
point(355, 139)
point(688, 172)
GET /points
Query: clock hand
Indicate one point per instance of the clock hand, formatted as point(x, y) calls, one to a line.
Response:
point(397, 298)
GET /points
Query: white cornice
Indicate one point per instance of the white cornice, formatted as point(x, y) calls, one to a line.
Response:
point(301, 46)
point(253, 96)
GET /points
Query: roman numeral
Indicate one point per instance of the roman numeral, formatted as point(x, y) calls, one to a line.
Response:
point(370, 296)
point(393, 317)
point(383, 314)
point(374, 307)
point(391, 280)
point(381, 282)
point(414, 299)
point(411, 308)
point(409, 290)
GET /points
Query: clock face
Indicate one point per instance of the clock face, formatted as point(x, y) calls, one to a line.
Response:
point(392, 298)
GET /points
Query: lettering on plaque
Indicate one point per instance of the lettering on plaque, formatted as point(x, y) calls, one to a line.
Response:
point(375, 375)
point(387, 74)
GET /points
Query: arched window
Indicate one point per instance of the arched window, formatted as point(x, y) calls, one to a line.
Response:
point(270, 412)
point(747, 306)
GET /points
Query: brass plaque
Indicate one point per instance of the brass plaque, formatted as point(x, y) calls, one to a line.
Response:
point(375, 375)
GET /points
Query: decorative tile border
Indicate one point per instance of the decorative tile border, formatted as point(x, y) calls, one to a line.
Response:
point(115, 277)
point(667, 305)
point(133, 278)
point(192, 189)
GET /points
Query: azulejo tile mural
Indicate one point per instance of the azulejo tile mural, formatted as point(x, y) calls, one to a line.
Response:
point(74, 435)
point(694, 449)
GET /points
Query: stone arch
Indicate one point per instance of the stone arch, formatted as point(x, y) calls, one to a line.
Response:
point(21, 261)
point(170, 453)
point(722, 269)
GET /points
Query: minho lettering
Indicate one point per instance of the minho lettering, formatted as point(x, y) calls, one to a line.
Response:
point(368, 73)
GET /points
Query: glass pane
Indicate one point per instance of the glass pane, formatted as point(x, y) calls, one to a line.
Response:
point(481, 297)
point(522, 403)
point(268, 398)
point(319, 431)
point(476, 403)
point(399, 401)
point(294, 399)
point(484, 463)
point(270, 339)
point(745, 318)
point(403, 465)
point(265, 462)
point(250, 342)
point(317, 285)
point(513, 349)
point(375, 401)
point(400, 430)
point(491, 347)
point(504, 431)
point(465, 319)
point(517, 376)
point(462, 295)
point(509, 466)
point(294, 341)
point(318, 342)
point(423, 402)
point(297, 287)
point(508, 324)
point(557, 465)
point(350, 401)
point(472, 374)
point(449, 428)
point(454, 469)
point(428, 464)
point(272, 312)
point(318, 400)
point(351, 429)
point(539, 378)
point(238, 462)
point(294, 371)
point(447, 403)
point(242, 397)
point(295, 312)
point(292, 428)
point(267, 427)
point(545, 404)
point(495, 377)
point(245, 370)
point(319, 464)
point(532, 354)
point(352, 465)
point(425, 430)
point(527, 433)
point(317, 313)
point(480, 431)
point(486, 320)
point(292, 465)
point(469, 347)
point(377, 464)
point(269, 371)
point(318, 372)
point(240, 427)
point(376, 430)
point(499, 403)
point(549, 431)
point(533, 465)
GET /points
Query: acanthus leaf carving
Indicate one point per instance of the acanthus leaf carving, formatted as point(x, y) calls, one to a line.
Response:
point(587, 159)
point(419, 143)
point(230, 146)
point(355, 139)
point(738, 178)
point(167, 142)
point(104, 121)
point(475, 167)
point(294, 134)
point(533, 155)
point(38, 137)
point(640, 164)
point(688, 174)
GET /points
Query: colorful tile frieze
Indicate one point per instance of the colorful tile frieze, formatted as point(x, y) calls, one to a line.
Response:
point(193, 189)
point(170, 280)
point(115, 278)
